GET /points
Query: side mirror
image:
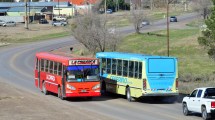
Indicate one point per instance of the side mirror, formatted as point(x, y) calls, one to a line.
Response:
point(188, 95)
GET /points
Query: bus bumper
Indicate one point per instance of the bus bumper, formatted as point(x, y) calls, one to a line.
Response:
point(161, 94)
point(88, 94)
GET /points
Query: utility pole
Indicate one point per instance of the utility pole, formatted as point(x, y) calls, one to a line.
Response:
point(167, 23)
point(105, 9)
point(58, 8)
point(26, 15)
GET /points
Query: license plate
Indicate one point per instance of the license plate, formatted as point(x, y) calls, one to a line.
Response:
point(83, 91)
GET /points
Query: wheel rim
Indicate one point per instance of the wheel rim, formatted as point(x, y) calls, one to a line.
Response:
point(59, 92)
point(44, 88)
point(128, 95)
point(204, 114)
point(185, 109)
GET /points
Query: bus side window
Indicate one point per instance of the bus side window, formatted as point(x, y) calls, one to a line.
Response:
point(42, 65)
point(46, 65)
point(109, 66)
point(55, 67)
point(131, 69)
point(51, 67)
point(119, 67)
point(60, 69)
point(114, 66)
point(136, 69)
point(104, 65)
point(125, 68)
point(140, 70)
point(36, 64)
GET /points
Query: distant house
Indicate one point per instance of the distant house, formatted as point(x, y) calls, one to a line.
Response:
point(78, 2)
point(36, 9)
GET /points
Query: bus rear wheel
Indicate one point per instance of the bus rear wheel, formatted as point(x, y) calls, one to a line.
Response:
point(44, 88)
point(60, 95)
point(128, 94)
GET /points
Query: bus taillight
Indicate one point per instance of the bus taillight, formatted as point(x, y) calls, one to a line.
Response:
point(144, 84)
point(176, 83)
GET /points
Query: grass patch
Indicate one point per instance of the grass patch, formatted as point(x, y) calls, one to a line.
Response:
point(39, 38)
point(195, 23)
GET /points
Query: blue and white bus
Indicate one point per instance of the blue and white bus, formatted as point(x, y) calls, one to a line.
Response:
point(137, 75)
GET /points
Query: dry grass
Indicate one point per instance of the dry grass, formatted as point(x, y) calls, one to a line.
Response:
point(19, 33)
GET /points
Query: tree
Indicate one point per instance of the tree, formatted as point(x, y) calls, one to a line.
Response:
point(91, 30)
point(202, 6)
point(137, 16)
point(208, 38)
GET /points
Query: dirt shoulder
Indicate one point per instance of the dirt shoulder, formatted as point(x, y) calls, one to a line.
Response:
point(18, 104)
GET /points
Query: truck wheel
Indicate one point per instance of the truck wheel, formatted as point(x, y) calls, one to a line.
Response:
point(128, 94)
point(185, 109)
point(205, 115)
point(44, 88)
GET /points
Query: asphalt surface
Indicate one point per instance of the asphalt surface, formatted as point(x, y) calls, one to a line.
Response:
point(17, 65)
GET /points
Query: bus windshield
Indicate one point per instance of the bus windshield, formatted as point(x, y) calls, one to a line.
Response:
point(83, 73)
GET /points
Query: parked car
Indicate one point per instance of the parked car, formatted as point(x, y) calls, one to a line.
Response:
point(109, 11)
point(201, 100)
point(59, 18)
point(145, 22)
point(2, 22)
point(43, 21)
point(59, 23)
point(173, 19)
point(9, 23)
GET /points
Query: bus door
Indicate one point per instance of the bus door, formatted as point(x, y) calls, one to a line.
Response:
point(63, 80)
point(37, 73)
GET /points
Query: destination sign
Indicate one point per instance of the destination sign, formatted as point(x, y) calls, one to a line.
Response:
point(83, 62)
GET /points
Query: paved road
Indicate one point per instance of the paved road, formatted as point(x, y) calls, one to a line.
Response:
point(17, 63)
point(161, 24)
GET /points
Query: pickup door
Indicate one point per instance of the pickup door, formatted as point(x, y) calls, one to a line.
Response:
point(194, 101)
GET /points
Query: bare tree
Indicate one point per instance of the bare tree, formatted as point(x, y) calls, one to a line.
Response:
point(202, 6)
point(137, 16)
point(92, 31)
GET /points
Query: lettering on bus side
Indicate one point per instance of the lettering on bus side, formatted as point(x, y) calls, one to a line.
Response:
point(120, 79)
point(50, 77)
point(83, 62)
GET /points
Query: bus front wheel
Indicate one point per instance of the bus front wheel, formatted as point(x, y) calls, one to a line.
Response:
point(128, 94)
point(60, 93)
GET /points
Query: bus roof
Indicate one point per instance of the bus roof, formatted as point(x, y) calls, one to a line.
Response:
point(63, 58)
point(128, 56)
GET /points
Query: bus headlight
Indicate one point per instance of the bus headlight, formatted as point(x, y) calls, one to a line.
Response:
point(70, 87)
point(96, 87)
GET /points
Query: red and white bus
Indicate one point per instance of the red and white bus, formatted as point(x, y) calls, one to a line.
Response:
point(67, 76)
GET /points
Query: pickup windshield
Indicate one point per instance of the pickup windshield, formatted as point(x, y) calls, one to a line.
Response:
point(82, 73)
point(210, 93)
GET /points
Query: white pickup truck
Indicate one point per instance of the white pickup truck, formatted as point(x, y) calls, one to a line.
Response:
point(201, 100)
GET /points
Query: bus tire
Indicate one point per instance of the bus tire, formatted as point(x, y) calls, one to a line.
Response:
point(44, 88)
point(103, 90)
point(128, 94)
point(59, 93)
